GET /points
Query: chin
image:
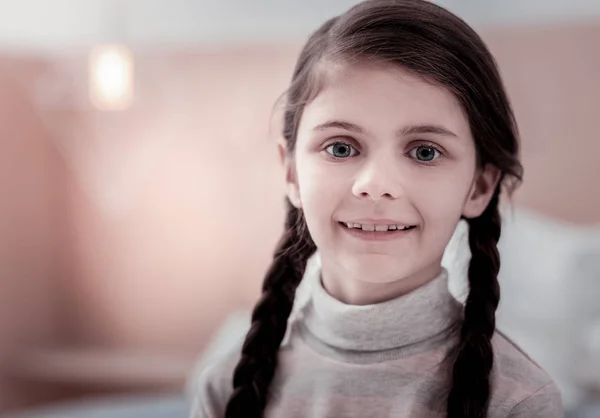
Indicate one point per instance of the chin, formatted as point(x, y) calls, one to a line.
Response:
point(378, 268)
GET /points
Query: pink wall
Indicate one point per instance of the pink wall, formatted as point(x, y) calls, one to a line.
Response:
point(180, 191)
point(31, 207)
point(146, 228)
point(553, 78)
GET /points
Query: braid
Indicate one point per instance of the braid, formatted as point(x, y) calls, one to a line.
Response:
point(256, 368)
point(470, 391)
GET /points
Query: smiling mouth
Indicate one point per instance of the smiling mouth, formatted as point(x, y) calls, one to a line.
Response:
point(377, 228)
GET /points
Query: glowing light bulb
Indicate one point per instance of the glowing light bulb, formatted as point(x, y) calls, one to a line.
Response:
point(111, 77)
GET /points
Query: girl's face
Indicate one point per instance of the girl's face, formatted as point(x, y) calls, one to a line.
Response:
point(392, 155)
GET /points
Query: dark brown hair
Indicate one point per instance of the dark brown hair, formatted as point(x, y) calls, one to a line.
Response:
point(432, 43)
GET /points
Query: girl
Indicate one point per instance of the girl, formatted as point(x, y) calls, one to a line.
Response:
point(396, 127)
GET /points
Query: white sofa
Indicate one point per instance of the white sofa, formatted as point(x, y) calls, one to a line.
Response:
point(550, 303)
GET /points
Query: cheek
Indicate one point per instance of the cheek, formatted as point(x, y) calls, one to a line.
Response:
point(440, 206)
point(321, 185)
point(322, 190)
point(440, 199)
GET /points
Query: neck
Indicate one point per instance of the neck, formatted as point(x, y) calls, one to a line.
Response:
point(344, 286)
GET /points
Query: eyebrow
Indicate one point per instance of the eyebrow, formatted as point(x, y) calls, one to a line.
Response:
point(408, 130)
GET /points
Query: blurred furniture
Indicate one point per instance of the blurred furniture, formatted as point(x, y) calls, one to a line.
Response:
point(92, 367)
point(99, 368)
point(89, 379)
point(146, 406)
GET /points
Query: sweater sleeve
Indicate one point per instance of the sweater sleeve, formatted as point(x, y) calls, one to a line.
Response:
point(546, 403)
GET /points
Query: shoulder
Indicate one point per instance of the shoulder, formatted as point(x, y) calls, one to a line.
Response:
point(545, 402)
point(213, 387)
point(210, 384)
point(521, 387)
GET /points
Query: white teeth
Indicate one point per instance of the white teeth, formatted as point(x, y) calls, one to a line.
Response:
point(378, 228)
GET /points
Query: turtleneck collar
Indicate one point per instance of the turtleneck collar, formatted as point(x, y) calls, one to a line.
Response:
point(405, 321)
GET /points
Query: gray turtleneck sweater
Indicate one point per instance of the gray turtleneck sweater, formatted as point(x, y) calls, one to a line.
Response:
point(381, 360)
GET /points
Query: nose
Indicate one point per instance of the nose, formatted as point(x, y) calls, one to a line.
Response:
point(378, 180)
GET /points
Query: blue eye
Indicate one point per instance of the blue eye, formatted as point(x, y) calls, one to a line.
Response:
point(341, 150)
point(425, 153)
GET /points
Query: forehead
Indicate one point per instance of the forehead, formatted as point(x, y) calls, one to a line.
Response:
point(384, 95)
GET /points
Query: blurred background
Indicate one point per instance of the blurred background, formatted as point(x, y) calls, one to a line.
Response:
point(141, 198)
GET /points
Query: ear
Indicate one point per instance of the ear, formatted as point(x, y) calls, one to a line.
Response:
point(291, 179)
point(482, 190)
